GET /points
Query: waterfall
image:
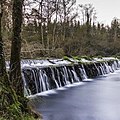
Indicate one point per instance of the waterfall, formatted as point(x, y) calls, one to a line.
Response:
point(107, 70)
point(75, 76)
point(27, 91)
point(66, 75)
point(102, 68)
point(43, 80)
point(39, 77)
point(58, 74)
point(97, 68)
point(53, 76)
point(71, 76)
point(83, 72)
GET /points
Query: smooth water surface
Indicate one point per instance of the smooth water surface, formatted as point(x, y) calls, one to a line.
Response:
point(95, 100)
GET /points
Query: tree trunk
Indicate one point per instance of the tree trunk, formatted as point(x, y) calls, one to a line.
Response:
point(2, 59)
point(15, 65)
point(55, 25)
point(13, 104)
point(64, 22)
point(6, 92)
point(42, 34)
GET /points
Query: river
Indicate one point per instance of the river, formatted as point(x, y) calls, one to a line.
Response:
point(94, 100)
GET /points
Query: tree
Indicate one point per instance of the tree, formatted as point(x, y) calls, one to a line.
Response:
point(67, 9)
point(8, 97)
point(7, 19)
point(12, 101)
point(115, 28)
point(15, 65)
point(3, 73)
point(89, 15)
point(2, 59)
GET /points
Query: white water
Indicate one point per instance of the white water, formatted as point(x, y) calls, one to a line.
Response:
point(47, 81)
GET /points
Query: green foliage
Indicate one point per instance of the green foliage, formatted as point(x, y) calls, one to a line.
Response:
point(87, 57)
point(14, 111)
point(59, 37)
point(77, 58)
point(67, 58)
point(24, 117)
point(77, 42)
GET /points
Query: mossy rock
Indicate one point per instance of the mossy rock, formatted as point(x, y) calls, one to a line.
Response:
point(77, 58)
point(87, 57)
point(67, 58)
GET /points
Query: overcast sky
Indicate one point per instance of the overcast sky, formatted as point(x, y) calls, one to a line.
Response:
point(106, 9)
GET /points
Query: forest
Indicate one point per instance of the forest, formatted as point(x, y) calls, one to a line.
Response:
point(35, 29)
point(54, 28)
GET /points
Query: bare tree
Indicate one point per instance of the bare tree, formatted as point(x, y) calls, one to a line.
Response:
point(88, 13)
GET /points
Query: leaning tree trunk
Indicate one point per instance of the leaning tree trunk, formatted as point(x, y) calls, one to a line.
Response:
point(15, 66)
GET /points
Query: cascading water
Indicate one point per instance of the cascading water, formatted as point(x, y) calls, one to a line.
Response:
point(39, 77)
point(83, 72)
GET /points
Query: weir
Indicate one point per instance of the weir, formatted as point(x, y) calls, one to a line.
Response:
point(44, 75)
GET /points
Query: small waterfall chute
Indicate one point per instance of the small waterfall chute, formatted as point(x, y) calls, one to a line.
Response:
point(76, 79)
point(83, 72)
